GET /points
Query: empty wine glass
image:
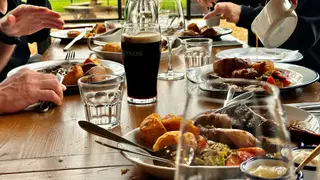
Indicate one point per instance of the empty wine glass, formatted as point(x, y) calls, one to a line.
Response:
point(241, 141)
point(171, 21)
point(141, 11)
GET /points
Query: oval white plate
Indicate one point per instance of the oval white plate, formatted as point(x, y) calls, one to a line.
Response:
point(117, 68)
point(299, 76)
point(293, 113)
point(263, 54)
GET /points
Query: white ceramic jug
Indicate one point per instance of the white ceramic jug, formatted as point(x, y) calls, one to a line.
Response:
point(276, 22)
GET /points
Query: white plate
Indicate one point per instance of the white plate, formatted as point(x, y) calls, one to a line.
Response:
point(117, 68)
point(62, 34)
point(299, 76)
point(263, 54)
point(310, 121)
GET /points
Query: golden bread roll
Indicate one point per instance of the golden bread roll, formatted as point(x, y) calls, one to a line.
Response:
point(151, 129)
point(72, 76)
point(73, 34)
point(167, 139)
point(172, 122)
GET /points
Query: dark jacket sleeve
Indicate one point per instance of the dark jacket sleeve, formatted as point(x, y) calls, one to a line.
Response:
point(251, 3)
point(44, 33)
point(247, 16)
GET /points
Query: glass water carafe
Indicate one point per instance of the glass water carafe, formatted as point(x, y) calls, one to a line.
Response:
point(141, 11)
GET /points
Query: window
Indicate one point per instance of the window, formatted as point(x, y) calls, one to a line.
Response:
point(99, 10)
point(88, 10)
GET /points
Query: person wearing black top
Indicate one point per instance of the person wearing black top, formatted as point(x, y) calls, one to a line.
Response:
point(21, 53)
point(26, 87)
point(305, 38)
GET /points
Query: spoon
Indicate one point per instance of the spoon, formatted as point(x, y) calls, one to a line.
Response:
point(312, 155)
point(230, 95)
point(166, 152)
point(166, 161)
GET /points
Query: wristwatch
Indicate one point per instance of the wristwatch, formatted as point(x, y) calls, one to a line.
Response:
point(9, 39)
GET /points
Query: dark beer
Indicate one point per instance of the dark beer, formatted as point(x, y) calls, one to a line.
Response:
point(141, 57)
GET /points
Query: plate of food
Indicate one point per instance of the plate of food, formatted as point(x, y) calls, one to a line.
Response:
point(258, 54)
point(193, 31)
point(112, 49)
point(285, 76)
point(72, 70)
point(69, 34)
point(158, 132)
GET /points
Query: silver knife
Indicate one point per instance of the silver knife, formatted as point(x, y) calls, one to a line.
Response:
point(80, 36)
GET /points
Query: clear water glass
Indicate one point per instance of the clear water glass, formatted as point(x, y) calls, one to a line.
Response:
point(197, 52)
point(214, 145)
point(102, 98)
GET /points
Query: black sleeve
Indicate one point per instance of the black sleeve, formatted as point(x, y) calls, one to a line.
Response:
point(306, 34)
point(44, 33)
point(247, 16)
point(251, 3)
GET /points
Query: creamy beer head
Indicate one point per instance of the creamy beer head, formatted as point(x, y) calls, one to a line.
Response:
point(141, 37)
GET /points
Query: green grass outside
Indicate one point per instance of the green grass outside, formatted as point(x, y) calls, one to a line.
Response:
point(57, 5)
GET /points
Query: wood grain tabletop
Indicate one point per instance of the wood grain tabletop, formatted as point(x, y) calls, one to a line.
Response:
point(52, 145)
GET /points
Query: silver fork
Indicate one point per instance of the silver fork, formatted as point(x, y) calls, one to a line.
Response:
point(46, 105)
point(70, 55)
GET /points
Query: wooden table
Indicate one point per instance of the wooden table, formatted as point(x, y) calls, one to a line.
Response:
point(53, 146)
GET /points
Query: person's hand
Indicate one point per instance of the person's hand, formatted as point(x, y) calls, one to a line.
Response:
point(28, 19)
point(229, 11)
point(206, 3)
point(28, 87)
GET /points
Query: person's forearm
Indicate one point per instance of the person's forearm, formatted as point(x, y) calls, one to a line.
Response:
point(6, 52)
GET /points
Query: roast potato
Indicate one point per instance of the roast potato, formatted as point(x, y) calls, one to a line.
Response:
point(190, 140)
point(167, 139)
point(193, 27)
point(190, 127)
point(172, 122)
point(151, 129)
point(72, 76)
point(94, 61)
point(73, 34)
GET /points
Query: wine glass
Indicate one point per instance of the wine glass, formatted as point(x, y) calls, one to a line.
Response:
point(141, 11)
point(171, 21)
point(238, 141)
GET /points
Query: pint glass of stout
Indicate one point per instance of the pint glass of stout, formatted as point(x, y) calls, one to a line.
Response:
point(141, 51)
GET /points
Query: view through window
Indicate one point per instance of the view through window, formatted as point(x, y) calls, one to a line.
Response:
point(83, 10)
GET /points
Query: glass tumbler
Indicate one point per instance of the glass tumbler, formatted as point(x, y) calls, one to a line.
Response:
point(102, 98)
point(197, 52)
